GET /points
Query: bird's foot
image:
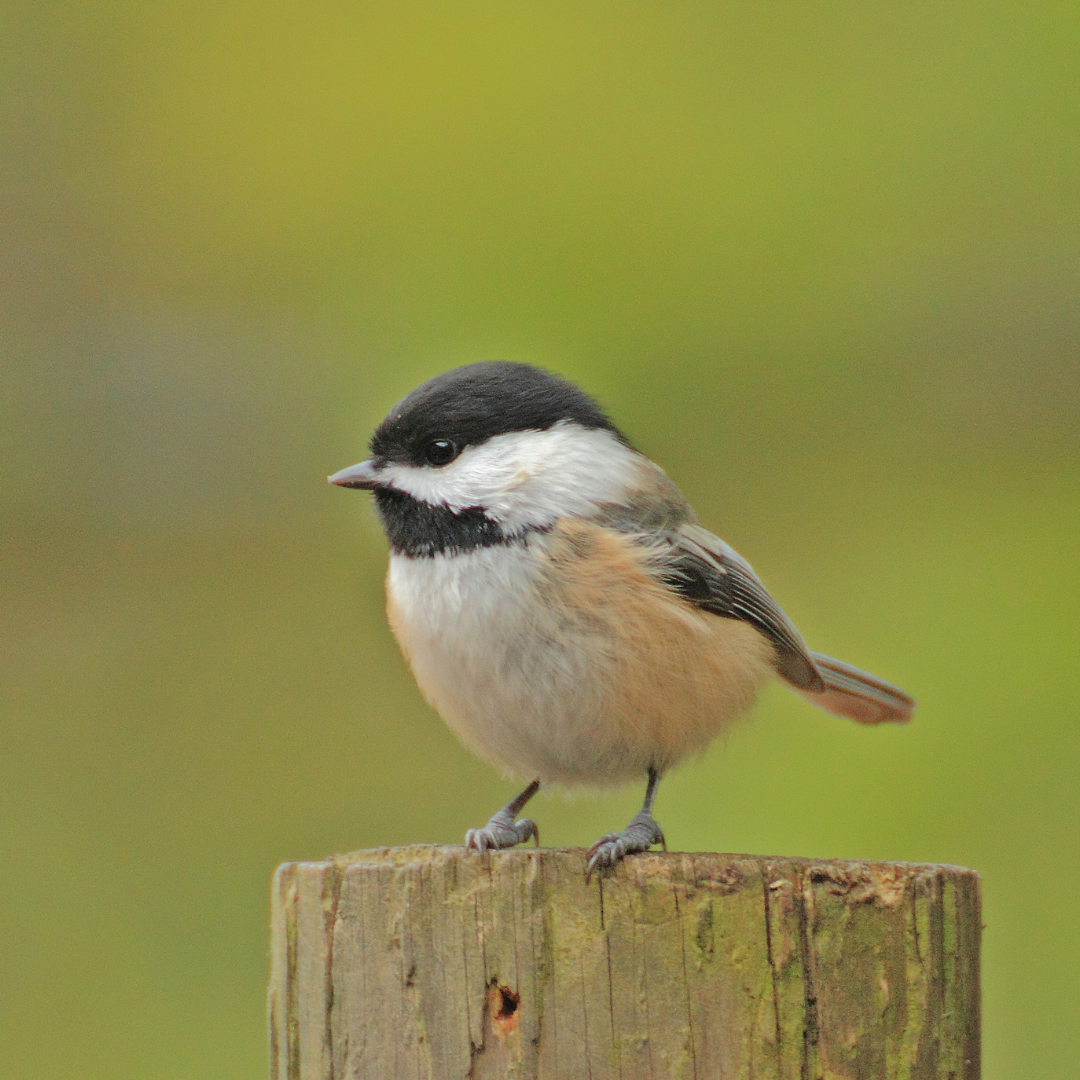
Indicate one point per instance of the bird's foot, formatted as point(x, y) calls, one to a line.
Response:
point(502, 831)
point(639, 835)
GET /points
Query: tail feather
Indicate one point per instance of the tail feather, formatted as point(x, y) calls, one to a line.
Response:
point(857, 694)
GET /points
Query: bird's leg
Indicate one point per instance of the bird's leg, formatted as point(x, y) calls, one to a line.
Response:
point(639, 835)
point(502, 831)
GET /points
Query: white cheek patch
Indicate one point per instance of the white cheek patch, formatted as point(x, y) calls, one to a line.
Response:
point(528, 479)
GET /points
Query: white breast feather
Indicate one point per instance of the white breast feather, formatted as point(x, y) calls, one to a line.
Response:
point(495, 664)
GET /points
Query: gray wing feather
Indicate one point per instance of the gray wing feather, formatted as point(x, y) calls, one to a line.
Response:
point(716, 578)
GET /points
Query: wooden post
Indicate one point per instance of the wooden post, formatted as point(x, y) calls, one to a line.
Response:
point(412, 962)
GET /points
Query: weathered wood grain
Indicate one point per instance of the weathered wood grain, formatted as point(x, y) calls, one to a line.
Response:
point(427, 962)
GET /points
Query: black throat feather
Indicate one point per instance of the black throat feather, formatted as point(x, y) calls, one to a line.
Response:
point(420, 530)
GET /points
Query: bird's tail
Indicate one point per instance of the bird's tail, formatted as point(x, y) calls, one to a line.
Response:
point(858, 695)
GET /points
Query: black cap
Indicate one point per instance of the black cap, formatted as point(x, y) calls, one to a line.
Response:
point(471, 404)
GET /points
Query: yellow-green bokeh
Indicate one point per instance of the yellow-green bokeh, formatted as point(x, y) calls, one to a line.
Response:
point(820, 261)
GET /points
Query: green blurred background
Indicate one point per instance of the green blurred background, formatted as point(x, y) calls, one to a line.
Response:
point(819, 260)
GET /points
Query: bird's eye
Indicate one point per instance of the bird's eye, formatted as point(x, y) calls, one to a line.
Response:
point(440, 452)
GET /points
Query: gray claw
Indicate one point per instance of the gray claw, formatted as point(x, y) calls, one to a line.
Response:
point(501, 831)
point(639, 835)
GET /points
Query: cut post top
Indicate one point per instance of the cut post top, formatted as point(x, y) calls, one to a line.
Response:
point(430, 961)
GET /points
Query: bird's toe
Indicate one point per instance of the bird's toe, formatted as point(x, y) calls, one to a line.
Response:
point(639, 835)
point(500, 833)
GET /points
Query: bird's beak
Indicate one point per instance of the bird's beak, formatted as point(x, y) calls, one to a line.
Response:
point(365, 475)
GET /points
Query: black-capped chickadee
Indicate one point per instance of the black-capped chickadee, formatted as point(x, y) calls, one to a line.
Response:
point(559, 604)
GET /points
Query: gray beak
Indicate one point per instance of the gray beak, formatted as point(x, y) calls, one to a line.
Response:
point(364, 476)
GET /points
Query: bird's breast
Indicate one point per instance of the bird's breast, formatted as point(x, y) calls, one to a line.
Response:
point(564, 657)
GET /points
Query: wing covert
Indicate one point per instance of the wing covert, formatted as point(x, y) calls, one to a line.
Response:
point(714, 577)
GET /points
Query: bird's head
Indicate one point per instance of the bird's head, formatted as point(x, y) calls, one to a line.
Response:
point(496, 447)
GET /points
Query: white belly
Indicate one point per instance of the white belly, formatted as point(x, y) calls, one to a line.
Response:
point(493, 661)
point(546, 688)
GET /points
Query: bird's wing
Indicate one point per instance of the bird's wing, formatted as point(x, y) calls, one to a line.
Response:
point(702, 569)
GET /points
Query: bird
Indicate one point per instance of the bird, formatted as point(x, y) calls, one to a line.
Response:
point(560, 605)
